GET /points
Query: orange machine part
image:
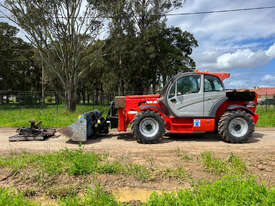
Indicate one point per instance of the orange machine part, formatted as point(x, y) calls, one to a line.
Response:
point(121, 120)
point(204, 125)
point(221, 75)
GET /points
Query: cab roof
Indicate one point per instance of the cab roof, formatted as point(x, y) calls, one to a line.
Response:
point(222, 75)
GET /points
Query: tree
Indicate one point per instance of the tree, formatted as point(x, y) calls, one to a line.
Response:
point(60, 30)
point(141, 51)
point(16, 61)
point(118, 45)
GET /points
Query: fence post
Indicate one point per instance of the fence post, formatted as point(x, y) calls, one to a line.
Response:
point(265, 100)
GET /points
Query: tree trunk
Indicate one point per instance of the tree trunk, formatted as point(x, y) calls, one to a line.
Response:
point(43, 83)
point(71, 98)
point(96, 96)
point(164, 80)
point(83, 96)
point(154, 87)
point(8, 99)
point(56, 98)
point(121, 88)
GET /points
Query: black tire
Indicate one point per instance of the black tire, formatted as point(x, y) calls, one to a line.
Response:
point(229, 134)
point(151, 116)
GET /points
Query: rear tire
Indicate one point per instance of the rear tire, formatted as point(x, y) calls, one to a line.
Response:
point(236, 126)
point(148, 127)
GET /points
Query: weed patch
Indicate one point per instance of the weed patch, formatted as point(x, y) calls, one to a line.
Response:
point(71, 162)
point(98, 197)
point(229, 190)
point(62, 191)
point(10, 197)
point(232, 165)
point(184, 155)
point(233, 191)
point(178, 173)
point(139, 171)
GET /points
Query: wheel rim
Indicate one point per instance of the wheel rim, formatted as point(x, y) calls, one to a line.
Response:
point(238, 127)
point(148, 127)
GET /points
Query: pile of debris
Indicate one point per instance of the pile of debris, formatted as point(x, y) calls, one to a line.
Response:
point(32, 133)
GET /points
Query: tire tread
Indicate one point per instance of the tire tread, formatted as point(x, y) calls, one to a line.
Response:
point(223, 130)
point(135, 127)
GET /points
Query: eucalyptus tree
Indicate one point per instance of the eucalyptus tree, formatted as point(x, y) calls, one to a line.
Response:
point(17, 69)
point(141, 49)
point(60, 30)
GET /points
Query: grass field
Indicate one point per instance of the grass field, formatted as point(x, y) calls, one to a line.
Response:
point(50, 115)
point(57, 116)
point(266, 116)
point(45, 176)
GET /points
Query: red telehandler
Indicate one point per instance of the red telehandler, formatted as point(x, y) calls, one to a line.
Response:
point(192, 102)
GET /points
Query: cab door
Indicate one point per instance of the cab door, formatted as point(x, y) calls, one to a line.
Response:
point(214, 95)
point(185, 97)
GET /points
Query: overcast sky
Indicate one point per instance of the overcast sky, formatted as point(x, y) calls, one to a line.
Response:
point(242, 43)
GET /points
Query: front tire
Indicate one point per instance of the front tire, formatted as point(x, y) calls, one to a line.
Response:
point(236, 126)
point(148, 127)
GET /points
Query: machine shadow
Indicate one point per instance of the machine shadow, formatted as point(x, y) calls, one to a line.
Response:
point(169, 138)
point(205, 137)
point(91, 141)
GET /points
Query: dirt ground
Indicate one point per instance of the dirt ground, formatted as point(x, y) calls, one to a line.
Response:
point(258, 153)
point(262, 143)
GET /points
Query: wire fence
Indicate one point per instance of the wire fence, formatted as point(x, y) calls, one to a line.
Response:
point(266, 98)
point(34, 98)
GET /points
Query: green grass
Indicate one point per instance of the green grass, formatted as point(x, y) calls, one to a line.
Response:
point(77, 162)
point(50, 115)
point(235, 188)
point(228, 191)
point(266, 116)
point(184, 155)
point(10, 197)
point(95, 197)
point(53, 116)
point(72, 162)
point(232, 165)
point(179, 173)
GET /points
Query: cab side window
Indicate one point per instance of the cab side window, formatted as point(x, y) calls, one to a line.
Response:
point(188, 85)
point(212, 83)
point(172, 92)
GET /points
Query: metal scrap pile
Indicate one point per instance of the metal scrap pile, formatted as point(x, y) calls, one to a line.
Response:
point(34, 132)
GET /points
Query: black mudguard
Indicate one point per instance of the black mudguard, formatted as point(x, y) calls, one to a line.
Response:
point(235, 107)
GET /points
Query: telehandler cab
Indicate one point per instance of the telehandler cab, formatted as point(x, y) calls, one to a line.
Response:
point(192, 102)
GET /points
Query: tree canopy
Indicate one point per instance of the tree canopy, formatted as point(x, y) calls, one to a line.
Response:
point(138, 54)
point(18, 69)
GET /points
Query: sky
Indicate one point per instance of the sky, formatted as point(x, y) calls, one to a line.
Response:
point(241, 43)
